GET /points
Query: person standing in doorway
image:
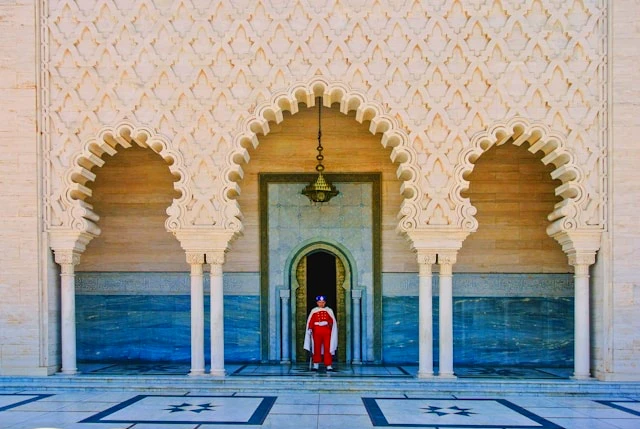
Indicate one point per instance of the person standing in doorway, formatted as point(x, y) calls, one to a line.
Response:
point(322, 334)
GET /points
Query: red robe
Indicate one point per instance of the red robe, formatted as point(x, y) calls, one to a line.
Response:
point(324, 337)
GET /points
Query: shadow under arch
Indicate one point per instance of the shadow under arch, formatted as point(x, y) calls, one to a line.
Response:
point(392, 136)
point(346, 273)
point(566, 215)
point(108, 141)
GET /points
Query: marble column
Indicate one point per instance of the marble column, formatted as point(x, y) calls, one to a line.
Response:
point(217, 315)
point(446, 261)
point(581, 357)
point(285, 336)
point(356, 297)
point(196, 260)
point(425, 315)
point(67, 259)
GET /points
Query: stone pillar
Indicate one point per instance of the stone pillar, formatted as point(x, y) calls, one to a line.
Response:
point(67, 260)
point(196, 260)
point(217, 314)
point(581, 247)
point(425, 315)
point(356, 296)
point(446, 261)
point(581, 351)
point(285, 336)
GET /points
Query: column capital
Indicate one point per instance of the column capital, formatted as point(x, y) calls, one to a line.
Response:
point(216, 258)
point(580, 246)
point(68, 242)
point(436, 240)
point(426, 257)
point(66, 257)
point(205, 240)
point(582, 259)
point(195, 258)
point(447, 257)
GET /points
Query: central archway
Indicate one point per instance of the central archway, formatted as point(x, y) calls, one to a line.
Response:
point(336, 282)
point(320, 272)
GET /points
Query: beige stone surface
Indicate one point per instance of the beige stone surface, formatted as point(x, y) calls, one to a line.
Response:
point(438, 83)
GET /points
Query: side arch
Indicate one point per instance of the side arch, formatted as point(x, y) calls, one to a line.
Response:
point(518, 131)
point(392, 136)
point(109, 140)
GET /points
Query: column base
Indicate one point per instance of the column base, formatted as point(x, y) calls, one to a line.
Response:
point(285, 362)
point(218, 373)
point(196, 372)
point(356, 362)
point(447, 375)
point(582, 377)
point(425, 374)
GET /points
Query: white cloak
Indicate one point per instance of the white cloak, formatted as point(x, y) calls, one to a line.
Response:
point(308, 337)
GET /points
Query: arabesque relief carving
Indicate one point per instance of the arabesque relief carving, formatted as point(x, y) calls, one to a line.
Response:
point(199, 81)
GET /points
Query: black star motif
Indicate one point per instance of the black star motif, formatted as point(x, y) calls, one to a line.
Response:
point(190, 407)
point(439, 411)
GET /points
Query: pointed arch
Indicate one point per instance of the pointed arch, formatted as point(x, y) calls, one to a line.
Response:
point(392, 135)
point(109, 140)
point(539, 137)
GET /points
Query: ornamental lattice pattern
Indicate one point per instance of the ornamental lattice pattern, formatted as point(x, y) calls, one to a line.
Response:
point(192, 79)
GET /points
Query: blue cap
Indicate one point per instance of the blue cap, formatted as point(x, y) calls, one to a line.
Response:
point(321, 298)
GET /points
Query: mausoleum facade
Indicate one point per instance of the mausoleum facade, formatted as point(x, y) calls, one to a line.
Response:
point(155, 153)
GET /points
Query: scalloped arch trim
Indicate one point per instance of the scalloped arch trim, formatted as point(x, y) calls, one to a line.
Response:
point(538, 137)
point(109, 140)
point(393, 136)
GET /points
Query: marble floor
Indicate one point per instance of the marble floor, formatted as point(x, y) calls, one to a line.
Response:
point(353, 397)
point(303, 370)
point(109, 409)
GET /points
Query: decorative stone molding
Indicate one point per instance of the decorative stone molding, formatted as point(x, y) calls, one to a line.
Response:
point(577, 195)
point(108, 141)
point(580, 246)
point(349, 100)
point(216, 259)
point(436, 241)
point(209, 78)
point(194, 258)
point(447, 259)
point(205, 241)
point(68, 245)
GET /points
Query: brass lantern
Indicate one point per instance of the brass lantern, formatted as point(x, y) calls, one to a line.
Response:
point(320, 191)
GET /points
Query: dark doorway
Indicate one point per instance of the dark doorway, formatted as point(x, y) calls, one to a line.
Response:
point(321, 279)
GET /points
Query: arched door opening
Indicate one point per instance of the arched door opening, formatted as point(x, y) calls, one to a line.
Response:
point(321, 279)
point(321, 273)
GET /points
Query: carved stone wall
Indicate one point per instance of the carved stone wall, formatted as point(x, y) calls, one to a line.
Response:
point(441, 81)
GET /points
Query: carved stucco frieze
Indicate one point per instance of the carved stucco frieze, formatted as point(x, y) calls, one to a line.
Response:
point(198, 85)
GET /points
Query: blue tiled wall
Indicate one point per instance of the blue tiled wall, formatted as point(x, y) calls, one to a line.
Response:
point(487, 330)
point(146, 317)
point(156, 328)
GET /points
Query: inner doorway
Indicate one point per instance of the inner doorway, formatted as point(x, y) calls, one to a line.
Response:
point(320, 273)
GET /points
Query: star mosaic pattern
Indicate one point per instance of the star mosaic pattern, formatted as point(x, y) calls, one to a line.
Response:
point(452, 413)
point(167, 409)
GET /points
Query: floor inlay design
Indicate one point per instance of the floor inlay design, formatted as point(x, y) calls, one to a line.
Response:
point(173, 409)
point(452, 413)
point(631, 407)
point(12, 400)
point(512, 372)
